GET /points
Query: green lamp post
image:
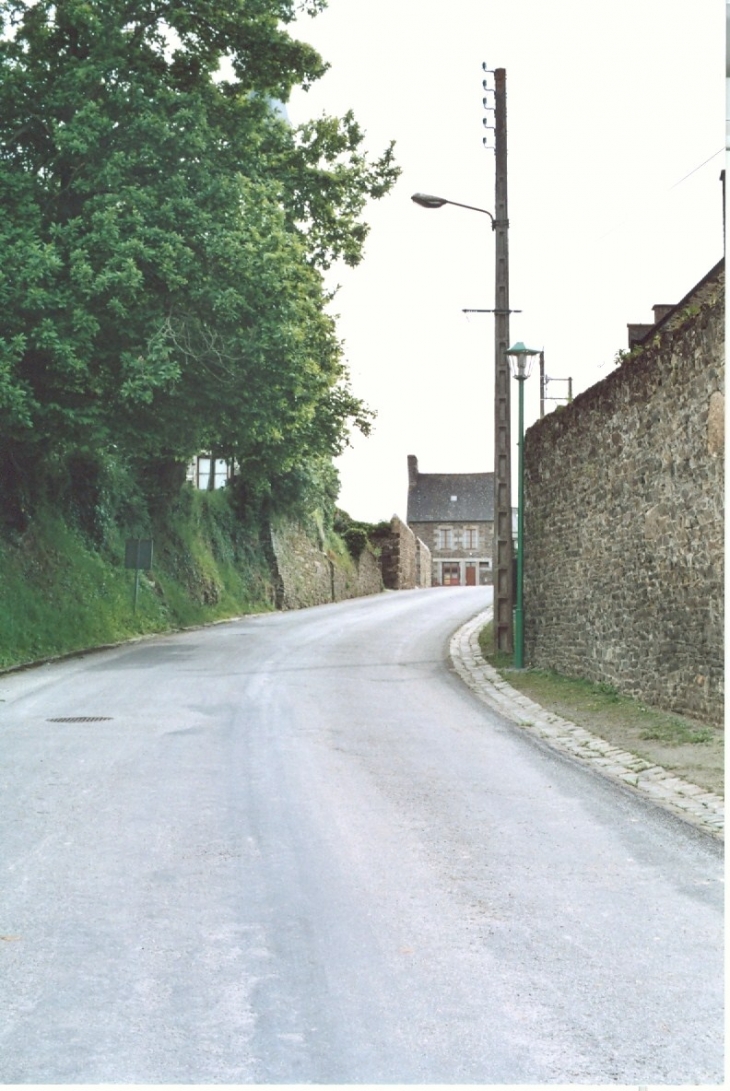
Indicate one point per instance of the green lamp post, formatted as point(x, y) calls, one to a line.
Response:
point(521, 358)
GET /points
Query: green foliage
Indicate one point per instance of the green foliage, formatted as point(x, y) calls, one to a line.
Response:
point(606, 690)
point(672, 731)
point(356, 539)
point(624, 356)
point(599, 706)
point(62, 593)
point(208, 563)
point(327, 149)
point(357, 536)
point(163, 237)
point(58, 595)
point(499, 660)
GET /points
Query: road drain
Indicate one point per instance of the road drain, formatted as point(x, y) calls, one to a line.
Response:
point(77, 719)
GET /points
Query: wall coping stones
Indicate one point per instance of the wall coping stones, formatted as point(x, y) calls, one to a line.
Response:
point(684, 799)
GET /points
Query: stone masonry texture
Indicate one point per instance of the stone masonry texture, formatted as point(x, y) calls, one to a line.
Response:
point(423, 564)
point(624, 517)
point(405, 560)
point(305, 576)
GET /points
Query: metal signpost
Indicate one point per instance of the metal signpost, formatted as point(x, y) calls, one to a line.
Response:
point(138, 555)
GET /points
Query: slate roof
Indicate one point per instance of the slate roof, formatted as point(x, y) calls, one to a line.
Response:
point(430, 498)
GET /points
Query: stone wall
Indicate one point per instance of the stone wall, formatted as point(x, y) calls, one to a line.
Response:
point(424, 568)
point(367, 579)
point(624, 515)
point(405, 561)
point(305, 576)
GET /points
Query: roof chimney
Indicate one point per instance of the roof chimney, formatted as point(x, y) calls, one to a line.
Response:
point(637, 332)
point(412, 471)
point(661, 310)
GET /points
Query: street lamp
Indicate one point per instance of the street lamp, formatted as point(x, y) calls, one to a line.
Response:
point(521, 358)
point(426, 200)
point(502, 551)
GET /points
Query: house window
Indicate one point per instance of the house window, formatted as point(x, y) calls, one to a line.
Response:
point(471, 538)
point(444, 538)
point(199, 472)
point(450, 576)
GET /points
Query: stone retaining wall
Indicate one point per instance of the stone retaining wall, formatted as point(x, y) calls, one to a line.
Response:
point(424, 568)
point(305, 576)
point(624, 516)
point(405, 561)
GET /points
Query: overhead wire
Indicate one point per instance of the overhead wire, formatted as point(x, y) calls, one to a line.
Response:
point(667, 190)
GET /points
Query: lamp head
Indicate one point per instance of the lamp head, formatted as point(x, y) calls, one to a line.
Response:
point(426, 200)
point(521, 358)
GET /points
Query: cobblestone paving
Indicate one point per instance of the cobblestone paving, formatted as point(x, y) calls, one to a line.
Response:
point(703, 809)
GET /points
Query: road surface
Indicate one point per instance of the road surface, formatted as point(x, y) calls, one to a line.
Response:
point(296, 849)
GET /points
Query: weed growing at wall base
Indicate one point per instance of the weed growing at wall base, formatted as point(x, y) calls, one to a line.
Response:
point(691, 749)
point(673, 732)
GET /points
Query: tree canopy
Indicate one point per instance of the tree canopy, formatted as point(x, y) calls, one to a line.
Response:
point(165, 231)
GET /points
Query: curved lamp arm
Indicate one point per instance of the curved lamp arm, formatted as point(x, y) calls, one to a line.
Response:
point(426, 200)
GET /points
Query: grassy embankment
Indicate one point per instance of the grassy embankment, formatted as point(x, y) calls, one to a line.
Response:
point(60, 592)
point(690, 749)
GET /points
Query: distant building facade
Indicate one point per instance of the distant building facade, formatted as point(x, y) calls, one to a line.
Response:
point(454, 515)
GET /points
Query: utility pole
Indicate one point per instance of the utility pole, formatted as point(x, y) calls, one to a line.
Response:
point(545, 379)
point(542, 384)
point(503, 561)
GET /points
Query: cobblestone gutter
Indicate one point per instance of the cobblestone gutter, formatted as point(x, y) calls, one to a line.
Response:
point(701, 808)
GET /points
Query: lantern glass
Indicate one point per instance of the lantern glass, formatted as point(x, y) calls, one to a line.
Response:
point(521, 358)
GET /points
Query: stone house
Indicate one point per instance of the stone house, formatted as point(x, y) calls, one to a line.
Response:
point(454, 515)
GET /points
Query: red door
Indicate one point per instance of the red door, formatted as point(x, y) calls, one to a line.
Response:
point(471, 575)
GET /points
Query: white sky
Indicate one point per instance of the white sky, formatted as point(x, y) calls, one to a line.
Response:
point(609, 107)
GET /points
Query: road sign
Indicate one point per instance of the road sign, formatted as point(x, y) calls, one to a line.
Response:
point(138, 553)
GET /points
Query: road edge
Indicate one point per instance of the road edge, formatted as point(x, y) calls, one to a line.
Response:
point(702, 809)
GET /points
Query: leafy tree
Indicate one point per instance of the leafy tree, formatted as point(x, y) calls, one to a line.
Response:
point(164, 235)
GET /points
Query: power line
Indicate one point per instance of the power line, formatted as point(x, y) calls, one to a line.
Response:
point(696, 169)
point(667, 190)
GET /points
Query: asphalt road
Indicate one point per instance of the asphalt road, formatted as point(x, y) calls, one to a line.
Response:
point(299, 850)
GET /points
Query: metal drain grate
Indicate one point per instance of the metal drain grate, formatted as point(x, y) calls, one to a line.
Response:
point(78, 719)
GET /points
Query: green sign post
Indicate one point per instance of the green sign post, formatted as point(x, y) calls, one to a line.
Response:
point(138, 555)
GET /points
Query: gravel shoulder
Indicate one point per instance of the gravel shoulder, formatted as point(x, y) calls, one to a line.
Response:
point(623, 725)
